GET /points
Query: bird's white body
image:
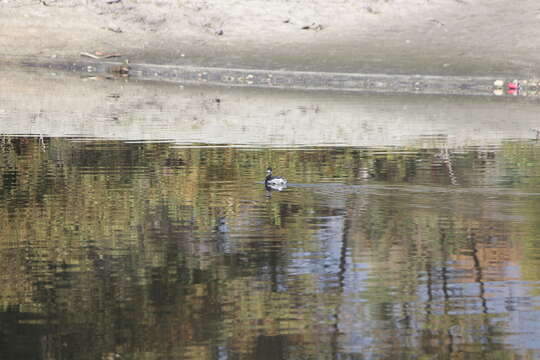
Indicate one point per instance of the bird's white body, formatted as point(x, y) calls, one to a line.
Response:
point(274, 181)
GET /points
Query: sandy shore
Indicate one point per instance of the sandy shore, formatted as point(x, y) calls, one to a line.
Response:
point(436, 37)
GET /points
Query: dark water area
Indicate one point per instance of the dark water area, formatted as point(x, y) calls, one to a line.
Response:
point(114, 250)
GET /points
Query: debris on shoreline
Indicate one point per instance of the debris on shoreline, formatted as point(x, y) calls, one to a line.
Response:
point(314, 26)
point(99, 55)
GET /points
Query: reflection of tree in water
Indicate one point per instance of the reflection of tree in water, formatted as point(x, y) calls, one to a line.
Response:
point(146, 248)
point(438, 314)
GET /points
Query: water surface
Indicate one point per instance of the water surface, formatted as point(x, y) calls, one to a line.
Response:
point(423, 247)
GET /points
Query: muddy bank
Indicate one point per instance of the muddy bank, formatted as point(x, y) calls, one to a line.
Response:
point(286, 79)
point(492, 38)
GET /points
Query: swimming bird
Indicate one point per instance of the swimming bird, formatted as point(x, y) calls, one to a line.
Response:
point(274, 182)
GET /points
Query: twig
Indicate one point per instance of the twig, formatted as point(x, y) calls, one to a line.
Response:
point(105, 56)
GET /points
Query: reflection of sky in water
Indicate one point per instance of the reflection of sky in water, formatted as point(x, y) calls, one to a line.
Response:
point(326, 260)
point(191, 116)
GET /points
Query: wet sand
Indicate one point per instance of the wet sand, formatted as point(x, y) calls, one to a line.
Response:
point(492, 38)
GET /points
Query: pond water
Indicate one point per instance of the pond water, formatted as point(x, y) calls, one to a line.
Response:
point(117, 244)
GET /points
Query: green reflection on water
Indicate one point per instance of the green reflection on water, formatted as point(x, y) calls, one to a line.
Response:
point(147, 251)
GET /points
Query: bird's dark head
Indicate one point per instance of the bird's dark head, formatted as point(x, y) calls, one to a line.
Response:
point(269, 171)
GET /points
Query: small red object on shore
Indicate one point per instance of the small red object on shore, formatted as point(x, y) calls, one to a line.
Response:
point(514, 85)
